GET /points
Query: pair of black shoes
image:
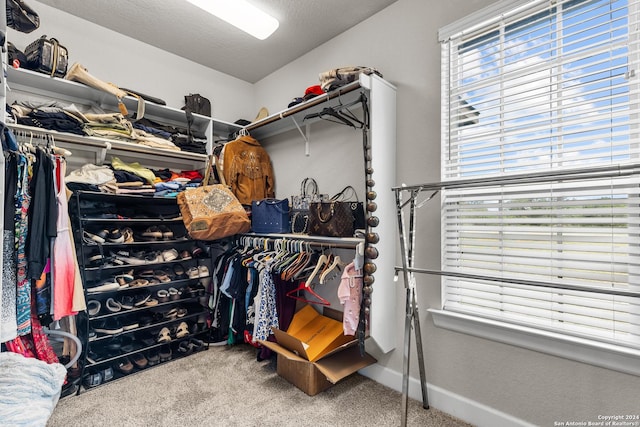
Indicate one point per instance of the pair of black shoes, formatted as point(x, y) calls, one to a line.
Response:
point(97, 377)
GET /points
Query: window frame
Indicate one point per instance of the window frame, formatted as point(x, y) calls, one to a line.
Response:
point(582, 349)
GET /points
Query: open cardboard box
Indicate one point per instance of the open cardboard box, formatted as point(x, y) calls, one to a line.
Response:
point(314, 354)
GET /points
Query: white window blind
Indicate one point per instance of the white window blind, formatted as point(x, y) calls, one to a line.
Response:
point(537, 88)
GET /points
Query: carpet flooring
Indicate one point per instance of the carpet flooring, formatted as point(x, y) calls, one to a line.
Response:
point(227, 386)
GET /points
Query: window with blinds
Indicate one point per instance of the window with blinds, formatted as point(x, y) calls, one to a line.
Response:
point(544, 89)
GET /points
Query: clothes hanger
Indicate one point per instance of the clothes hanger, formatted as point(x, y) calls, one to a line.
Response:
point(294, 293)
point(336, 263)
point(320, 264)
point(327, 114)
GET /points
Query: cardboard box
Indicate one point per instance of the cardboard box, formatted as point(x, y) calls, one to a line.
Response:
point(314, 354)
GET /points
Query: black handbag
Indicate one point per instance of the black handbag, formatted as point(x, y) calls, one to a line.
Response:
point(357, 207)
point(47, 56)
point(21, 17)
point(270, 216)
point(198, 104)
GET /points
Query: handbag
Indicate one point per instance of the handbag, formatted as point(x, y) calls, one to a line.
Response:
point(21, 17)
point(47, 56)
point(198, 104)
point(308, 194)
point(300, 203)
point(212, 212)
point(357, 207)
point(332, 219)
point(270, 216)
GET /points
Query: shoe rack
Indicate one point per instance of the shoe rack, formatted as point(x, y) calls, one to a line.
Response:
point(144, 282)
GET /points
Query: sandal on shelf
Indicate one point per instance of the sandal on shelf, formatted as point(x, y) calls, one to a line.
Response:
point(139, 360)
point(153, 358)
point(193, 273)
point(93, 307)
point(127, 234)
point(167, 234)
point(165, 353)
point(162, 276)
point(182, 330)
point(115, 236)
point(205, 277)
point(169, 254)
point(162, 295)
point(196, 344)
point(171, 314)
point(113, 306)
point(151, 302)
point(164, 335)
point(146, 274)
point(184, 348)
point(137, 283)
point(178, 271)
point(124, 365)
point(152, 232)
point(141, 299)
point(174, 294)
point(124, 280)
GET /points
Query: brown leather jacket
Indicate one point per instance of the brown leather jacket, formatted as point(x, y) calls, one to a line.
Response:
point(247, 170)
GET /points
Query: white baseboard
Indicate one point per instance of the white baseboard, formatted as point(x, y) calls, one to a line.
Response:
point(451, 403)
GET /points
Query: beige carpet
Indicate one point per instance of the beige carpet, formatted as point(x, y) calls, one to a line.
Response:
point(226, 386)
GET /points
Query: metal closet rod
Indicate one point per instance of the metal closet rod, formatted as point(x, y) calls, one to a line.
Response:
point(529, 178)
point(534, 283)
point(304, 105)
point(307, 241)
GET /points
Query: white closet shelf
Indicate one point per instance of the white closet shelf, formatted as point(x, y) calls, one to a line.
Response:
point(101, 147)
point(27, 81)
point(286, 120)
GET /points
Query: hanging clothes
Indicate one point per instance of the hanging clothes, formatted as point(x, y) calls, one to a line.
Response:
point(43, 215)
point(350, 295)
point(8, 320)
point(248, 170)
point(63, 268)
point(22, 202)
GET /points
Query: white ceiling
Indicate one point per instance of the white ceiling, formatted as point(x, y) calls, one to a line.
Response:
point(183, 29)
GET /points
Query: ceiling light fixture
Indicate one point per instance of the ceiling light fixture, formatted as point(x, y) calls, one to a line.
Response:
point(241, 14)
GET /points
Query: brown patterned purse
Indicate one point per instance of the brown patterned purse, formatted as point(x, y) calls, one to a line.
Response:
point(332, 219)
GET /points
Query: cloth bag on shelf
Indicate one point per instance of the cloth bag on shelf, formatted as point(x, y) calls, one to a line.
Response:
point(270, 216)
point(212, 212)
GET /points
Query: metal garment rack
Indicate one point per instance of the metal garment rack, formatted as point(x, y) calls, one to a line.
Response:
point(407, 247)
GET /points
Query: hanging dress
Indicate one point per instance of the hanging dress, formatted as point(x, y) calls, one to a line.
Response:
point(62, 265)
point(21, 225)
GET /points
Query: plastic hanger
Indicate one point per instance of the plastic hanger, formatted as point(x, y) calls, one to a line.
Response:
point(336, 263)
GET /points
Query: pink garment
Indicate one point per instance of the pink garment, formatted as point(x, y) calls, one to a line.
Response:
point(350, 295)
point(63, 268)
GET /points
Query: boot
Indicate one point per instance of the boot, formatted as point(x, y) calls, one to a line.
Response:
point(79, 73)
